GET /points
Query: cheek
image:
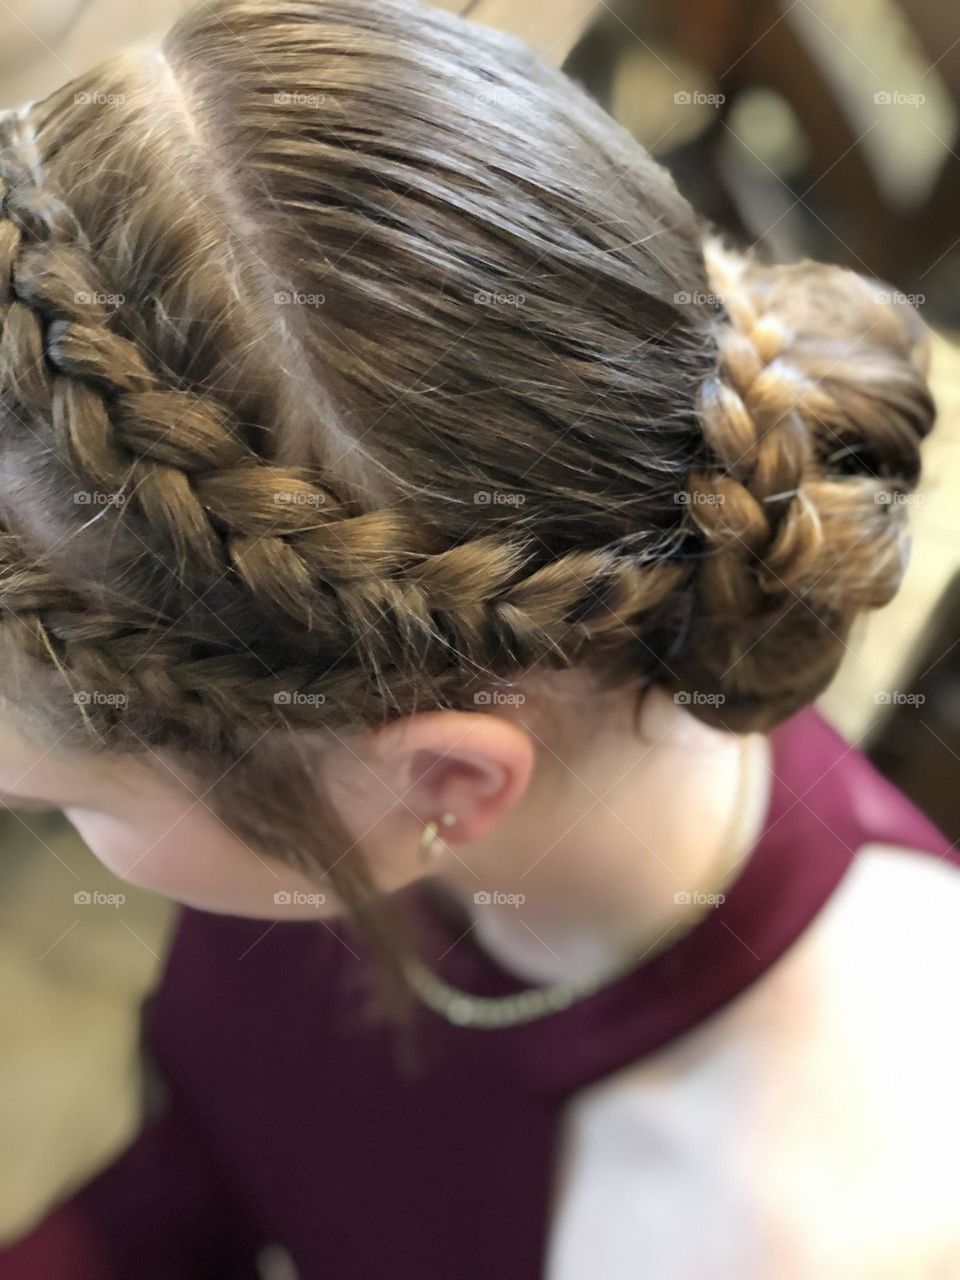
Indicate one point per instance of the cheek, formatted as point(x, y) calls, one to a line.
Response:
point(192, 858)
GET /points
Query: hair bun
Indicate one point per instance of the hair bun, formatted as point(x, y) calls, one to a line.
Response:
point(812, 424)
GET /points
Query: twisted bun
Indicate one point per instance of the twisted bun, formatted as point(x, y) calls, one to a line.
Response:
point(812, 422)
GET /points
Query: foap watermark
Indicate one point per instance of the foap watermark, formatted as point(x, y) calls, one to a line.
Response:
point(98, 698)
point(298, 498)
point(496, 298)
point(98, 299)
point(694, 498)
point(94, 98)
point(694, 698)
point(298, 298)
point(297, 698)
point(896, 98)
point(898, 698)
point(91, 498)
point(498, 498)
point(894, 498)
point(299, 99)
point(497, 96)
point(697, 98)
point(298, 898)
point(697, 299)
point(893, 296)
point(498, 698)
point(96, 898)
point(494, 898)
point(695, 898)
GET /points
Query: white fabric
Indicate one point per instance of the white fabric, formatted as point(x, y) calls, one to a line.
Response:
point(810, 1131)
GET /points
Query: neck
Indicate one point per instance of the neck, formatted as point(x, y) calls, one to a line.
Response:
point(598, 865)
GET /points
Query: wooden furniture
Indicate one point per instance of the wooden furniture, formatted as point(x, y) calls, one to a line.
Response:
point(875, 92)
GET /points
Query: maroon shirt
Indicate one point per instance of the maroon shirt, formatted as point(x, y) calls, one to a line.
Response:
point(290, 1119)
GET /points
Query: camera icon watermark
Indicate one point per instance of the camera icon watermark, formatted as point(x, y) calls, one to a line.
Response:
point(695, 898)
point(495, 96)
point(97, 99)
point(98, 698)
point(298, 498)
point(298, 898)
point(297, 698)
point(498, 698)
point(85, 299)
point(494, 898)
point(696, 98)
point(495, 298)
point(688, 498)
point(697, 299)
point(96, 898)
point(694, 698)
point(91, 498)
point(299, 99)
point(895, 98)
point(498, 498)
point(894, 498)
point(298, 298)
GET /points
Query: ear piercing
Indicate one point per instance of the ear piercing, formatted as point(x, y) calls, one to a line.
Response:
point(431, 845)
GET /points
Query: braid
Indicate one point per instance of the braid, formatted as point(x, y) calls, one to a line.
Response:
point(264, 578)
point(790, 526)
point(366, 601)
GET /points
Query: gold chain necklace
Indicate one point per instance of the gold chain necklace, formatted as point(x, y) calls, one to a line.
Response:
point(491, 1012)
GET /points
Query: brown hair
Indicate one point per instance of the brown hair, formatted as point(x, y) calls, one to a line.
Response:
point(353, 360)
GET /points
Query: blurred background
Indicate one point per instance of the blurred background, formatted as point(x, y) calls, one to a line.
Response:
point(812, 128)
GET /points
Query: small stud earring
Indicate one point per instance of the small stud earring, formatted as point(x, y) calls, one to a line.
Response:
point(430, 843)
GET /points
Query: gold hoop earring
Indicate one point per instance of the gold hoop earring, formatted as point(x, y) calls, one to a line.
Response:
point(431, 846)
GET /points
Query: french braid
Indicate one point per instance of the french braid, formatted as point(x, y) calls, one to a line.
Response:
point(702, 483)
point(374, 602)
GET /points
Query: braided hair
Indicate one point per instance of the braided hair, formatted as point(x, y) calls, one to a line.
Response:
point(813, 422)
point(331, 389)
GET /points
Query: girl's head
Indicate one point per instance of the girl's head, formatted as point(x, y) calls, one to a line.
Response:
point(371, 404)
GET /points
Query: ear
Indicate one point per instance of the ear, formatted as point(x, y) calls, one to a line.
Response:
point(469, 764)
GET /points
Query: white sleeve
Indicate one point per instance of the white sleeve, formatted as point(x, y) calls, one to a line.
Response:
point(809, 1131)
point(651, 1181)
